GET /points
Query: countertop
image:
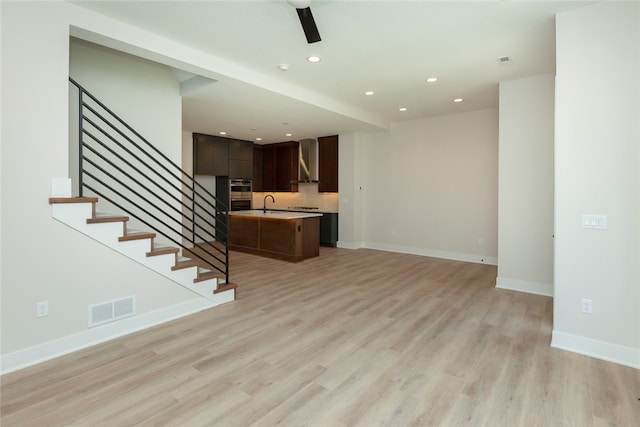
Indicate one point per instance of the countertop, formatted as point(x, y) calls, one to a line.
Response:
point(258, 213)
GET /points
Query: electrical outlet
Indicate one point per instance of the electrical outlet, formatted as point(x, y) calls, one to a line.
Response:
point(586, 306)
point(42, 309)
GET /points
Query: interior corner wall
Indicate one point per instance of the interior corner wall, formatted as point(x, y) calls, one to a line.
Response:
point(43, 259)
point(597, 164)
point(525, 185)
point(430, 187)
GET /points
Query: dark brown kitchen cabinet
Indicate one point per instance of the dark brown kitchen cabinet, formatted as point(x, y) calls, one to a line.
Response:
point(257, 167)
point(218, 156)
point(210, 155)
point(268, 168)
point(240, 159)
point(279, 167)
point(286, 157)
point(328, 164)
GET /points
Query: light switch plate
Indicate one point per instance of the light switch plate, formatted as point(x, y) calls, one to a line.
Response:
point(598, 222)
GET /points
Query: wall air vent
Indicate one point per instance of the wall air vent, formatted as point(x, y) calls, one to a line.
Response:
point(110, 311)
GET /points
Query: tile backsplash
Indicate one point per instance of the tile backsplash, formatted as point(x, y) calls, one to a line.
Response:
point(306, 196)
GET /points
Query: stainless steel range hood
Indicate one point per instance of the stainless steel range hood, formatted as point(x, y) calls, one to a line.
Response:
point(308, 161)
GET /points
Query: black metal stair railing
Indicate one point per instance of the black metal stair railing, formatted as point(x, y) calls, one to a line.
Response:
point(131, 175)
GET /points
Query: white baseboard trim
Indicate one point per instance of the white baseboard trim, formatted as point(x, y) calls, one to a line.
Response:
point(50, 350)
point(348, 245)
point(524, 286)
point(615, 353)
point(456, 256)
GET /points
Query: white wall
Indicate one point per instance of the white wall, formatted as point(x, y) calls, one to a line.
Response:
point(597, 155)
point(351, 156)
point(144, 94)
point(430, 187)
point(525, 217)
point(42, 259)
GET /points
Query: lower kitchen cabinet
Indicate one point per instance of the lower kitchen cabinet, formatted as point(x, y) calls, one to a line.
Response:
point(329, 230)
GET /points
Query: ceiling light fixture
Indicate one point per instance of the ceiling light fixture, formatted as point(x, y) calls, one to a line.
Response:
point(369, 93)
point(258, 139)
point(287, 134)
point(457, 100)
point(222, 132)
point(432, 80)
point(283, 67)
point(402, 109)
point(314, 59)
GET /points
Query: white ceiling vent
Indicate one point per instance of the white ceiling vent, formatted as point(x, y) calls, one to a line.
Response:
point(111, 310)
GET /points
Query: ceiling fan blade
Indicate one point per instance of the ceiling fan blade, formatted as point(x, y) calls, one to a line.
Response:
point(308, 25)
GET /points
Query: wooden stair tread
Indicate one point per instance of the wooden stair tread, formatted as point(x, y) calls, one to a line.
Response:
point(206, 276)
point(137, 235)
point(73, 200)
point(106, 217)
point(163, 250)
point(225, 287)
point(185, 263)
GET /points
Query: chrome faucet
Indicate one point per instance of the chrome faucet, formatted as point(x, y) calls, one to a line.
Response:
point(264, 206)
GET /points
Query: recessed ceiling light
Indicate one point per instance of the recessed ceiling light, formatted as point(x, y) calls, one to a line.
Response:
point(432, 79)
point(402, 109)
point(283, 67)
point(369, 93)
point(299, 4)
point(223, 133)
point(457, 100)
point(258, 139)
point(287, 134)
point(313, 59)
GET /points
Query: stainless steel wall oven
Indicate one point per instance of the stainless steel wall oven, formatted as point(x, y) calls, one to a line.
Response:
point(240, 194)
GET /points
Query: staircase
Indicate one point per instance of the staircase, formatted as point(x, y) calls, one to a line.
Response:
point(111, 230)
point(129, 175)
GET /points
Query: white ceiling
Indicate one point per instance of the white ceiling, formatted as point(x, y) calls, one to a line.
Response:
point(389, 47)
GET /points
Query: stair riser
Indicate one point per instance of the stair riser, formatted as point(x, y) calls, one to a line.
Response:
point(135, 247)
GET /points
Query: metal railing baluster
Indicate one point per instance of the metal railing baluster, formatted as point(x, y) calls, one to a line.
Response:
point(123, 168)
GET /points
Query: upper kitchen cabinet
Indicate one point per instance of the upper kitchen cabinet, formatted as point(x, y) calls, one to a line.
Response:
point(286, 157)
point(240, 159)
point(218, 156)
point(278, 167)
point(210, 155)
point(328, 164)
point(258, 162)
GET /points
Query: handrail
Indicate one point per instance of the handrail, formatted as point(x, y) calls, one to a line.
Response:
point(125, 170)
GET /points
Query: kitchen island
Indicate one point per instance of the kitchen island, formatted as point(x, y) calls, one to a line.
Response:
point(289, 236)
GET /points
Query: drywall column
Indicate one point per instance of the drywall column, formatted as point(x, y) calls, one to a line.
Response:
point(597, 155)
point(525, 185)
point(350, 190)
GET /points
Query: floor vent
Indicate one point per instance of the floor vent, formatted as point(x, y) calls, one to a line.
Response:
point(110, 311)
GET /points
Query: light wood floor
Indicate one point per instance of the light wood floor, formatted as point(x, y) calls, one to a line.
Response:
point(352, 338)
